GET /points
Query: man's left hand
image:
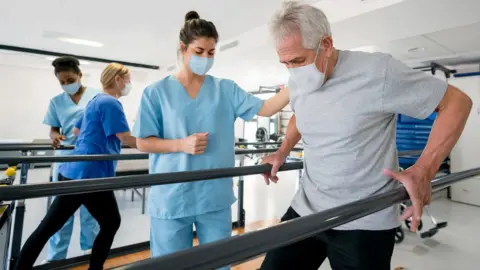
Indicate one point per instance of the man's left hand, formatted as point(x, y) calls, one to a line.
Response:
point(418, 184)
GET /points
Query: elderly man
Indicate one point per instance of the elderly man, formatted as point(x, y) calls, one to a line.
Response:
point(345, 106)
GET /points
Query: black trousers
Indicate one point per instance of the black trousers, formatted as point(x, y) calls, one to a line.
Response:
point(346, 250)
point(101, 205)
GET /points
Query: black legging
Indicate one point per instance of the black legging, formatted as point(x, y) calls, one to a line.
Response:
point(101, 205)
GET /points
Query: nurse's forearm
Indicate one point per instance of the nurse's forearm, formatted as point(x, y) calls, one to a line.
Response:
point(131, 141)
point(275, 103)
point(292, 137)
point(127, 138)
point(157, 145)
point(54, 133)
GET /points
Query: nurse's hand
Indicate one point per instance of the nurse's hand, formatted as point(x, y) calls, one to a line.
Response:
point(76, 131)
point(276, 160)
point(195, 144)
point(57, 141)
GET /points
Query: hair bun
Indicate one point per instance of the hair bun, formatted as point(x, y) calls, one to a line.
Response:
point(66, 61)
point(191, 15)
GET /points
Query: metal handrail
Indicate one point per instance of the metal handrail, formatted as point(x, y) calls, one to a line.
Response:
point(73, 158)
point(244, 247)
point(28, 191)
point(48, 146)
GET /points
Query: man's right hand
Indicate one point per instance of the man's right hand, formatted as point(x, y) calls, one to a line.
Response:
point(276, 160)
point(57, 141)
point(195, 144)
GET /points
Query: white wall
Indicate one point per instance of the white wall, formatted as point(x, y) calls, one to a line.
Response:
point(239, 128)
point(24, 101)
point(27, 88)
point(466, 154)
point(28, 83)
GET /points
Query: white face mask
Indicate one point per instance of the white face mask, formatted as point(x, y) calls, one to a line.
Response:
point(126, 90)
point(306, 79)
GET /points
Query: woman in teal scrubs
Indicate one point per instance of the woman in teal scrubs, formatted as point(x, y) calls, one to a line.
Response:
point(63, 113)
point(187, 121)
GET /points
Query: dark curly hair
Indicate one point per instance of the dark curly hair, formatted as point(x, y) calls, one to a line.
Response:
point(66, 63)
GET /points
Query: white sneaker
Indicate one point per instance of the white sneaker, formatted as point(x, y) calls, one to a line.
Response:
point(87, 252)
point(45, 261)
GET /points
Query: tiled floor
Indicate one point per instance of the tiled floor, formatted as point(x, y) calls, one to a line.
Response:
point(455, 247)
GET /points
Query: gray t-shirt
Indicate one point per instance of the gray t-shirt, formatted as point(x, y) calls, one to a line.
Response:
point(348, 132)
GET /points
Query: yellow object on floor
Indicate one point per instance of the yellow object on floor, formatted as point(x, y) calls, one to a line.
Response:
point(10, 172)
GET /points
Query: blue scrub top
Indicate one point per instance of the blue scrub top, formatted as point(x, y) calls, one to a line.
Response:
point(63, 113)
point(166, 111)
point(103, 119)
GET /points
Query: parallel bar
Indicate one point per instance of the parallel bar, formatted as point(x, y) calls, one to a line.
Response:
point(48, 146)
point(29, 191)
point(17, 232)
point(409, 153)
point(240, 209)
point(37, 147)
point(19, 217)
point(247, 246)
point(257, 143)
point(39, 159)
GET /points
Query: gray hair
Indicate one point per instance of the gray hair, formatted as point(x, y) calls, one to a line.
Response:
point(309, 20)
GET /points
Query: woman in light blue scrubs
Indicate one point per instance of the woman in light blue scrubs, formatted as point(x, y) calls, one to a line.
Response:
point(187, 121)
point(63, 113)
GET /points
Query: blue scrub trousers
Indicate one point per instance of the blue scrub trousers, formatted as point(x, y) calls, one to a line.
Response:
point(89, 228)
point(171, 235)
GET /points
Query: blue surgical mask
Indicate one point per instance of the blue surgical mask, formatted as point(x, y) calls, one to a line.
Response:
point(200, 65)
point(306, 79)
point(72, 88)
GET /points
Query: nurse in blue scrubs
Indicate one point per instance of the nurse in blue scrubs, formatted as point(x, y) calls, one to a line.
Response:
point(102, 130)
point(63, 113)
point(187, 121)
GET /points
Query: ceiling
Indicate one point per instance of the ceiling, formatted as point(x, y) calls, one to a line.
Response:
point(446, 29)
point(454, 46)
point(130, 31)
point(147, 32)
point(435, 30)
point(144, 32)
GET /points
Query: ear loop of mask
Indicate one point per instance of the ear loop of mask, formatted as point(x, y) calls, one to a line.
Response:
point(326, 60)
point(118, 85)
point(318, 50)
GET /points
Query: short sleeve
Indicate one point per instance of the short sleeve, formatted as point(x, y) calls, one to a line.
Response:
point(51, 118)
point(245, 105)
point(411, 92)
point(112, 116)
point(79, 123)
point(148, 122)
